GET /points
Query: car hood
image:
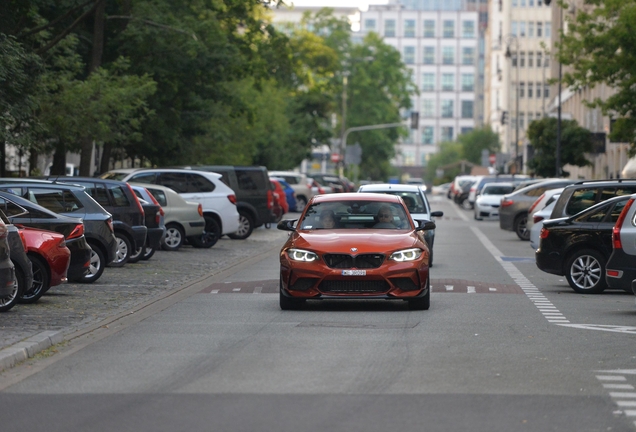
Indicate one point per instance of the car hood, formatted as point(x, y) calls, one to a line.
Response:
point(366, 241)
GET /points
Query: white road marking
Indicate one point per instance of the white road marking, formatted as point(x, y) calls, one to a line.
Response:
point(492, 289)
point(623, 395)
point(626, 403)
point(619, 371)
point(449, 287)
point(470, 290)
point(611, 378)
point(619, 386)
point(236, 289)
point(608, 328)
point(258, 290)
point(214, 291)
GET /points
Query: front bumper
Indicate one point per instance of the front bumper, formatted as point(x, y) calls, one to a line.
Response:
point(549, 262)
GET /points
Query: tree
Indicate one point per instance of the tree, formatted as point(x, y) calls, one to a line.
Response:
point(474, 142)
point(575, 142)
point(449, 153)
point(599, 48)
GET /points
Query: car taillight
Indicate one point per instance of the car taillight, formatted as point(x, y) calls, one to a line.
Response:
point(154, 200)
point(77, 232)
point(535, 203)
point(536, 219)
point(616, 231)
point(612, 273)
point(321, 190)
point(24, 242)
point(109, 222)
point(544, 233)
point(270, 198)
point(139, 206)
point(232, 198)
point(200, 209)
point(506, 202)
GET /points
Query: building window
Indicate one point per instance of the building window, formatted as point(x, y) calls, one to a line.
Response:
point(466, 130)
point(546, 91)
point(369, 24)
point(447, 108)
point(429, 28)
point(448, 82)
point(428, 107)
point(546, 62)
point(467, 109)
point(523, 3)
point(447, 133)
point(515, 28)
point(531, 29)
point(449, 29)
point(389, 28)
point(539, 29)
point(522, 90)
point(522, 29)
point(515, 3)
point(531, 59)
point(522, 120)
point(468, 82)
point(548, 29)
point(468, 55)
point(409, 28)
point(448, 55)
point(468, 29)
point(428, 82)
point(539, 57)
point(429, 55)
point(513, 59)
point(538, 87)
point(530, 118)
point(530, 88)
point(522, 59)
point(409, 55)
point(427, 135)
point(531, 3)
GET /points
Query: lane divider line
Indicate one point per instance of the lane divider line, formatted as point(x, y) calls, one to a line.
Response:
point(621, 399)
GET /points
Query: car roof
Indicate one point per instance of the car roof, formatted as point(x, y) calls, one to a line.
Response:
point(178, 170)
point(39, 182)
point(498, 184)
point(391, 187)
point(356, 196)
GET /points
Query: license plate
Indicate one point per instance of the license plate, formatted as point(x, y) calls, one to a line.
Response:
point(354, 272)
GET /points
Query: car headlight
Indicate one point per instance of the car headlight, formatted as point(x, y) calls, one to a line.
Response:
point(406, 255)
point(302, 255)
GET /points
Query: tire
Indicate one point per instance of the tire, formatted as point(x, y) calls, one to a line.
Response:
point(148, 253)
point(209, 237)
point(585, 272)
point(174, 238)
point(41, 281)
point(136, 255)
point(430, 256)
point(301, 202)
point(6, 303)
point(422, 303)
point(246, 226)
point(288, 303)
point(124, 250)
point(521, 227)
point(96, 267)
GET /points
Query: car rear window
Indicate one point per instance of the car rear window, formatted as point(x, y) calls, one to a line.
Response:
point(58, 201)
point(250, 179)
point(119, 196)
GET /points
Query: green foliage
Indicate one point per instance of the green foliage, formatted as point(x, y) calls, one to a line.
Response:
point(599, 48)
point(448, 154)
point(477, 140)
point(575, 142)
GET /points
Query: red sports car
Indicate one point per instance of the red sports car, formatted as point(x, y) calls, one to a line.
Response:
point(355, 246)
point(49, 258)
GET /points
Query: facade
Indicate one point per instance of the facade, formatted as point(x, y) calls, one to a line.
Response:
point(440, 43)
point(517, 73)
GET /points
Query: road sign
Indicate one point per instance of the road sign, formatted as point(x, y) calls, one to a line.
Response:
point(335, 157)
point(492, 159)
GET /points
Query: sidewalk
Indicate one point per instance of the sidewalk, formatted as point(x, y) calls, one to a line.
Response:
point(27, 330)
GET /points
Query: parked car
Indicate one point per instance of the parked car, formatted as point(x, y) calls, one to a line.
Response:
point(584, 194)
point(290, 194)
point(538, 218)
point(317, 188)
point(513, 213)
point(620, 269)
point(301, 185)
point(254, 200)
point(331, 181)
point(440, 189)
point(50, 259)
point(154, 219)
point(40, 217)
point(416, 203)
point(489, 200)
point(376, 251)
point(481, 181)
point(73, 200)
point(182, 218)
point(546, 198)
point(207, 188)
point(579, 246)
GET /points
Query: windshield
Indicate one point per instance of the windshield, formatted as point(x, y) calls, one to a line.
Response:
point(355, 215)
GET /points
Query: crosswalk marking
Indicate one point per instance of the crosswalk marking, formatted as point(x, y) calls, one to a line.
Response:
point(470, 289)
point(449, 287)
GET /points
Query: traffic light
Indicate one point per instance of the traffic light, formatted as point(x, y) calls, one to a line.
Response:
point(504, 117)
point(415, 119)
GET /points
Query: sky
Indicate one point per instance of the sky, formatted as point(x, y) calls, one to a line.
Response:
point(361, 4)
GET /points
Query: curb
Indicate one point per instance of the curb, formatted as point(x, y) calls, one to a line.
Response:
point(21, 351)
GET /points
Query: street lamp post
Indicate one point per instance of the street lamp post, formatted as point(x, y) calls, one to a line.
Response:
point(510, 39)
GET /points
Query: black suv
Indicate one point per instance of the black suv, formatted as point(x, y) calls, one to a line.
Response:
point(254, 195)
point(72, 200)
point(584, 194)
point(119, 200)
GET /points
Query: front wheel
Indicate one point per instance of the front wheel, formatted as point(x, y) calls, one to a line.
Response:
point(301, 202)
point(11, 300)
point(96, 265)
point(209, 237)
point(174, 238)
point(585, 272)
point(521, 227)
point(41, 281)
point(136, 255)
point(246, 226)
point(288, 303)
point(148, 253)
point(422, 303)
point(124, 250)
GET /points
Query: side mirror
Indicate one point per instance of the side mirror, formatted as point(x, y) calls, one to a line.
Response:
point(287, 225)
point(437, 214)
point(425, 225)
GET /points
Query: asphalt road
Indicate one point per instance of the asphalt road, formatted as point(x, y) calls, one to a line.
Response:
point(504, 347)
